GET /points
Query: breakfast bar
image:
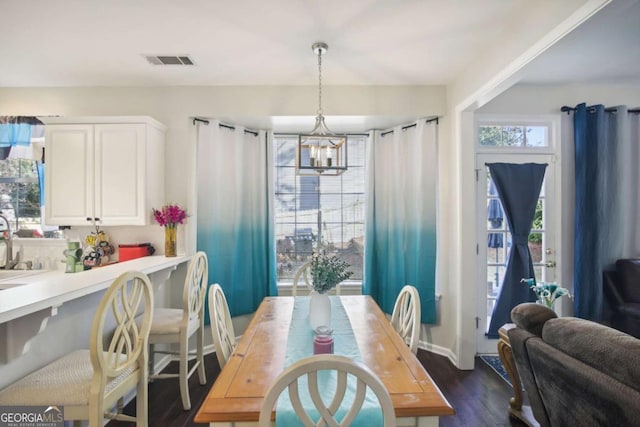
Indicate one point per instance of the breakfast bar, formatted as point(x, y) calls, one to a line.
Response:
point(29, 298)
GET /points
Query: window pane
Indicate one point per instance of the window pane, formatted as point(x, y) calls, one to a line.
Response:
point(285, 152)
point(535, 247)
point(353, 179)
point(490, 136)
point(318, 209)
point(513, 136)
point(537, 136)
point(20, 196)
point(356, 152)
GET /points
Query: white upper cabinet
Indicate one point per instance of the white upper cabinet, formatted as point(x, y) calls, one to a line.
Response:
point(107, 171)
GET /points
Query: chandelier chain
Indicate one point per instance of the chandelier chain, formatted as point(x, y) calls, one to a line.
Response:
point(320, 81)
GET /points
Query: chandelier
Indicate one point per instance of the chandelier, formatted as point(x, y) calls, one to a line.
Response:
point(321, 152)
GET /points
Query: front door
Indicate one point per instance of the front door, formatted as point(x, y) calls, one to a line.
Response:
point(494, 237)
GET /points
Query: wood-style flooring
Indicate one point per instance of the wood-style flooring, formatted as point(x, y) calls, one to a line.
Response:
point(480, 397)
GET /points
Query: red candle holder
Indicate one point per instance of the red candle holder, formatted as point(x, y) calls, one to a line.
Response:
point(323, 341)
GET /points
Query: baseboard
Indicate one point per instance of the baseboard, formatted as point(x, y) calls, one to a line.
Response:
point(442, 351)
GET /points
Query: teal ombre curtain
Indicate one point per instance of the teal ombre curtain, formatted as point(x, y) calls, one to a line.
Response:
point(400, 239)
point(234, 213)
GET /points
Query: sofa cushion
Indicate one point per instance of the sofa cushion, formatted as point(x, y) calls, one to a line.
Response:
point(629, 276)
point(575, 394)
point(531, 317)
point(610, 351)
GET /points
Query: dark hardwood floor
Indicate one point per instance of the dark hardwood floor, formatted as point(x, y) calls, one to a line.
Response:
point(480, 397)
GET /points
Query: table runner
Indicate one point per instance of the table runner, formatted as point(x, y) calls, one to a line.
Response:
point(300, 345)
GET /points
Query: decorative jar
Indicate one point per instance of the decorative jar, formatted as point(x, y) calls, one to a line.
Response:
point(323, 341)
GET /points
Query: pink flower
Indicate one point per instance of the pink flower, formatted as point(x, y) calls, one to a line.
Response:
point(169, 215)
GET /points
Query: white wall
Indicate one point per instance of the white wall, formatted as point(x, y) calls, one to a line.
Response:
point(535, 100)
point(492, 72)
point(539, 99)
point(249, 106)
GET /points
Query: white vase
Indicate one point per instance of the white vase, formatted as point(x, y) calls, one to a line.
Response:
point(319, 310)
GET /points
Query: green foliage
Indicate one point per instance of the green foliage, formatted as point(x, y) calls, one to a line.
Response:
point(327, 271)
point(501, 136)
point(537, 224)
point(21, 186)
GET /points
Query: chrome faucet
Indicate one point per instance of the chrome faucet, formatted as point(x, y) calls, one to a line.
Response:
point(9, 261)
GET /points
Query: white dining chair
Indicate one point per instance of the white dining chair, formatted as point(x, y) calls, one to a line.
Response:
point(224, 338)
point(303, 276)
point(405, 318)
point(91, 383)
point(344, 367)
point(178, 325)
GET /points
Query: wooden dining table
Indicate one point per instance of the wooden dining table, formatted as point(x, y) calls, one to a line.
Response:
point(237, 394)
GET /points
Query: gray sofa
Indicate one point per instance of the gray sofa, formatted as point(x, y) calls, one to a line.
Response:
point(576, 372)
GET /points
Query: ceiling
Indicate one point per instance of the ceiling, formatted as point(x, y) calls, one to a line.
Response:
point(603, 50)
point(257, 42)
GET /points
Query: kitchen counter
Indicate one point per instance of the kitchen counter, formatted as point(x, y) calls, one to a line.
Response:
point(32, 293)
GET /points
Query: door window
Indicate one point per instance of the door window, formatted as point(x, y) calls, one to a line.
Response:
point(511, 140)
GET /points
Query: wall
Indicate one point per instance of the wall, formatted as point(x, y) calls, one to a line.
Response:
point(488, 75)
point(538, 99)
point(254, 107)
point(548, 99)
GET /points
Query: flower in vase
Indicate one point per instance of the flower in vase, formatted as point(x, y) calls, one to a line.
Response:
point(547, 293)
point(169, 215)
point(327, 271)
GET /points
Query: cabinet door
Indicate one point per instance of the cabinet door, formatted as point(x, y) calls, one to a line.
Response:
point(120, 174)
point(69, 177)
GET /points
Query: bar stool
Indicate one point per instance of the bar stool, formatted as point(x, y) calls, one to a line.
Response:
point(177, 325)
point(89, 383)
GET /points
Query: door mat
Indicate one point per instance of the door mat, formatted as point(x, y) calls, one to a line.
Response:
point(495, 364)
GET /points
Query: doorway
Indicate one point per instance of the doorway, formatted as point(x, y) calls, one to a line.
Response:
point(494, 237)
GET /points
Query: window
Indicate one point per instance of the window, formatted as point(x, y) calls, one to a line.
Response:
point(20, 196)
point(329, 210)
point(514, 132)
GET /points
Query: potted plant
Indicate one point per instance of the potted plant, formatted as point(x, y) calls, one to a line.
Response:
point(326, 272)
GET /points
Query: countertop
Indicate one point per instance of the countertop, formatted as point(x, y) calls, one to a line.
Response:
point(40, 290)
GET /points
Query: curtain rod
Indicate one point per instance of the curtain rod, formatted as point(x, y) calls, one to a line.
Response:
point(251, 132)
point(281, 134)
point(566, 109)
point(222, 125)
point(435, 119)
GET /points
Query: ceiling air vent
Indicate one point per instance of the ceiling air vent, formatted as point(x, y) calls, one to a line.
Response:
point(169, 60)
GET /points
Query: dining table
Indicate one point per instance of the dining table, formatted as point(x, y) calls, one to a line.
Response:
point(236, 397)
